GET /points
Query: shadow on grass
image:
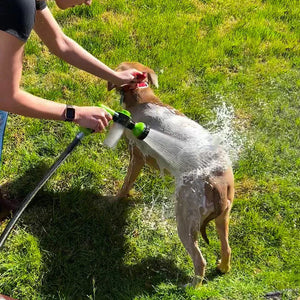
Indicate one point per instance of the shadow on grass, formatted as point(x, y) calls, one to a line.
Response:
point(211, 274)
point(82, 237)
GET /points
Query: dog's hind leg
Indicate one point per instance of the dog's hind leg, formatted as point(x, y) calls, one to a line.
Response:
point(224, 184)
point(188, 234)
point(137, 161)
point(222, 226)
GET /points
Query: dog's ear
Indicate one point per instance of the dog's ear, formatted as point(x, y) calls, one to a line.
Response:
point(153, 79)
point(110, 86)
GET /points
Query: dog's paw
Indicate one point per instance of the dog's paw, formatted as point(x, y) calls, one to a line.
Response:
point(196, 282)
point(127, 195)
point(223, 268)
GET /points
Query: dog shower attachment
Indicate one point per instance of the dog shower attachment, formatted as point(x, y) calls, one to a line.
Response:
point(122, 120)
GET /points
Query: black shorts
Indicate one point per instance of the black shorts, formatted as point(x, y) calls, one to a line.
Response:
point(17, 16)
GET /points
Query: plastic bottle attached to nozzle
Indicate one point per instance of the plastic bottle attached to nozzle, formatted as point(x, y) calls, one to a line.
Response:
point(115, 133)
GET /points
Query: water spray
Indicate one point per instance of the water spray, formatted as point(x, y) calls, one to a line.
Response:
point(121, 119)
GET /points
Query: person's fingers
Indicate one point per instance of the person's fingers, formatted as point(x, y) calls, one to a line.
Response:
point(108, 116)
point(132, 79)
point(100, 126)
point(105, 115)
point(104, 121)
point(139, 76)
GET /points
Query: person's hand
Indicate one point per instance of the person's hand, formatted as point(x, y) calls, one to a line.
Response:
point(92, 117)
point(127, 77)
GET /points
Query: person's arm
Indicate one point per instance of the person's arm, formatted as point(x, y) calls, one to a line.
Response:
point(68, 50)
point(15, 100)
point(64, 4)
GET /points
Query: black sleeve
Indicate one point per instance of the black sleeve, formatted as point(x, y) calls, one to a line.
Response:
point(17, 16)
point(40, 4)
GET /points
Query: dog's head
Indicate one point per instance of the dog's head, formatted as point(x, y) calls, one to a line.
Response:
point(151, 76)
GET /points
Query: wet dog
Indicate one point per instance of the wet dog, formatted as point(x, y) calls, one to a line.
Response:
point(203, 173)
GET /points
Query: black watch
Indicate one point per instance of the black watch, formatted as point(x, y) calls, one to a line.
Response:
point(69, 113)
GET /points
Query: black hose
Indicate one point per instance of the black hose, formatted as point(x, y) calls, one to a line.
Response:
point(30, 196)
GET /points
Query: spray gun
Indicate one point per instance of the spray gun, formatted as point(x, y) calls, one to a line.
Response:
point(122, 120)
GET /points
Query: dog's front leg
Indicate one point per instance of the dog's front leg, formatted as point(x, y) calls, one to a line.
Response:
point(137, 161)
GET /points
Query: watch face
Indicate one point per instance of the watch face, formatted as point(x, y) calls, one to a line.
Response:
point(70, 114)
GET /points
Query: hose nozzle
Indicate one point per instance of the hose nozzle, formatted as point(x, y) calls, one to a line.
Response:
point(140, 130)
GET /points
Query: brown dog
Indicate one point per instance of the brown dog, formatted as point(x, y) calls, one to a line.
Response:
point(204, 185)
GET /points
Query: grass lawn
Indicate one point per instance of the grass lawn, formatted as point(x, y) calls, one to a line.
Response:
point(73, 243)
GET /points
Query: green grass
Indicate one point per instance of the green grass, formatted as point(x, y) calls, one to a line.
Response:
point(73, 243)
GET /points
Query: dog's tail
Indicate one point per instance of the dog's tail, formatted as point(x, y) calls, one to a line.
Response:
point(204, 224)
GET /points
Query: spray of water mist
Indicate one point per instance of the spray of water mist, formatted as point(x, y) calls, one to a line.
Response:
point(180, 156)
point(192, 156)
point(193, 149)
point(223, 129)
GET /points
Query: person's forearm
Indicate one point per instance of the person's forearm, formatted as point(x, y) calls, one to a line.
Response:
point(75, 55)
point(68, 50)
point(25, 104)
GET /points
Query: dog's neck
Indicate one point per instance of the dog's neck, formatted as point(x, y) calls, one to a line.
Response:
point(133, 97)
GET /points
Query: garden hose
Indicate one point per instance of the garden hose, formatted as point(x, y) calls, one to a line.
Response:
point(30, 196)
